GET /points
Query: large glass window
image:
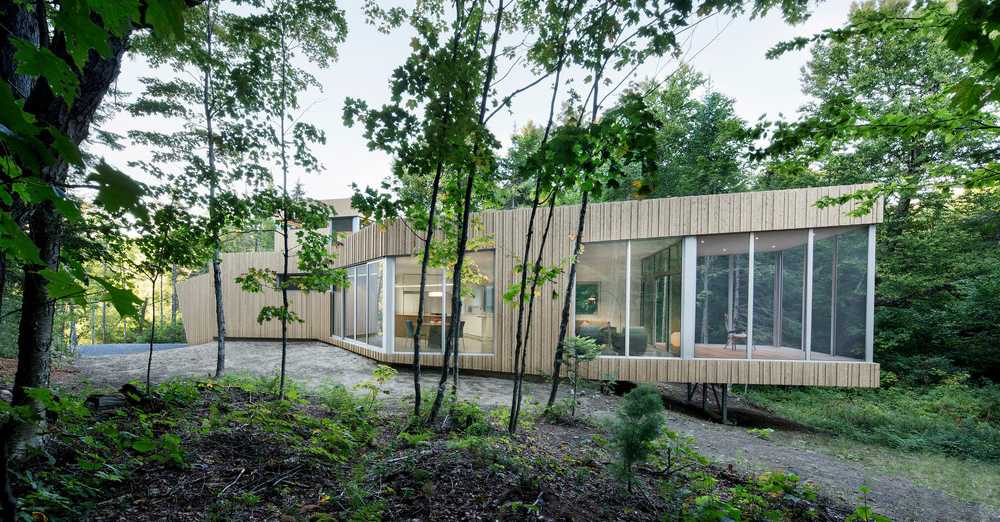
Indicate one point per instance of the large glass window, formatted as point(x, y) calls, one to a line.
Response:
point(779, 272)
point(349, 300)
point(361, 304)
point(478, 303)
point(600, 295)
point(358, 309)
point(337, 312)
point(655, 298)
point(839, 286)
point(376, 303)
point(407, 302)
point(722, 278)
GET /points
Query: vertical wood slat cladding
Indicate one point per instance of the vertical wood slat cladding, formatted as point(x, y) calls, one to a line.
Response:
point(694, 215)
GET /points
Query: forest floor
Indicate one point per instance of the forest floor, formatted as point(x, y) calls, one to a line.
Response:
point(832, 464)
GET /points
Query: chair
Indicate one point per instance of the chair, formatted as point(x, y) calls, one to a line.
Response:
point(732, 335)
point(410, 331)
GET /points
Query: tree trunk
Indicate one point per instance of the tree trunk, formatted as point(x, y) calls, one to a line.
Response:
point(152, 338)
point(577, 245)
point(284, 217)
point(568, 300)
point(423, 285)
point(93, 324)
point(174, 303)
point(521, 340)
point(215, 220)
point(44, 224)
point(72, 329)
point(429, 233)
point(34, 340)
point(451, 340)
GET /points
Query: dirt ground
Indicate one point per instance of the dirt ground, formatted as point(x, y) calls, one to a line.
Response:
point(315, 364)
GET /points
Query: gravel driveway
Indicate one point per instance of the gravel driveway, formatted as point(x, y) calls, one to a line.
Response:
point(314, 364)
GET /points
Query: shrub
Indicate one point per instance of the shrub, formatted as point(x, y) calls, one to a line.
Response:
point(577, 350)
point(639, 422)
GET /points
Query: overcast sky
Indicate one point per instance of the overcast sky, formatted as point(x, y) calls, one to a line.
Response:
point(730, 52)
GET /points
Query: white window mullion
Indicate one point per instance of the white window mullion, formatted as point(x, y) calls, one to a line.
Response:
point(689, 268)
point(870, 298)
point(807, 302)
point(628, 294)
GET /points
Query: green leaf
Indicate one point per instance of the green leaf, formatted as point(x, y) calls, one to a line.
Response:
point(117, 190)
point(82, 34)
point(61, 285)
point(144, 445)
point(14, 242)
point(123, 299)
point(116, 15)
point(166, 17)
point(42, 63)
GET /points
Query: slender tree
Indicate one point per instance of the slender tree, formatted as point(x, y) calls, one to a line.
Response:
point(481, 139)
point(287, 28)
point(423, 128)
point(168, 237)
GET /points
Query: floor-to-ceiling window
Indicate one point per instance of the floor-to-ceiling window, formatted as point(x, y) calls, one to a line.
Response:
point(407, 292)
point(478, 303)
point(722, 278)
point(476, 331)
point(840, 273)
point(655, 297)
point(600, 295)
point(779, 289)
point(785, 295)
point(358, 308)
point(349, 300)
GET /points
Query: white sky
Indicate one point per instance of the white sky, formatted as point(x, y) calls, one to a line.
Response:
point(734, 62)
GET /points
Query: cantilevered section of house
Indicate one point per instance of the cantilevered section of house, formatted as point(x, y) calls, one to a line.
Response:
point(756, 288)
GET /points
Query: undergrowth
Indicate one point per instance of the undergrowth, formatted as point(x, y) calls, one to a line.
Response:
point(953, 417)
point(227, 450)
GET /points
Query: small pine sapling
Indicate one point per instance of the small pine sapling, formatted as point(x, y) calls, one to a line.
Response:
point(576, 350)
point(639, 422)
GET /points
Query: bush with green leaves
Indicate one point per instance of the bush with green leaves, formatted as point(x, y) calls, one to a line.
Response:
point(638, 423)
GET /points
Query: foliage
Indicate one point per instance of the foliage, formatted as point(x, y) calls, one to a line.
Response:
point(953, 98)
point(578, 350)
point(937, 283)
point(639, 422)
point(864, 512)
point(702, 145)
point(380, 376)
point(953, 417)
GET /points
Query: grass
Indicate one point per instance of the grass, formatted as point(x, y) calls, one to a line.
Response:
point(950, 418)
point(967, 479)
point(944, 436)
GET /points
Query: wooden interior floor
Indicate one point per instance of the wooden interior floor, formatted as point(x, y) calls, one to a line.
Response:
point(767, 353)
point(465, 345)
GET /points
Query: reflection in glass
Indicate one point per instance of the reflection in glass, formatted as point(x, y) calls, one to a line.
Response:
point(407, 304)
point(840, 271)
point(476, 328)
point(376, 298)
point(349, 300)
point(722, 278)
point(655, 298)
point(779, 294)
point(601, 313)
